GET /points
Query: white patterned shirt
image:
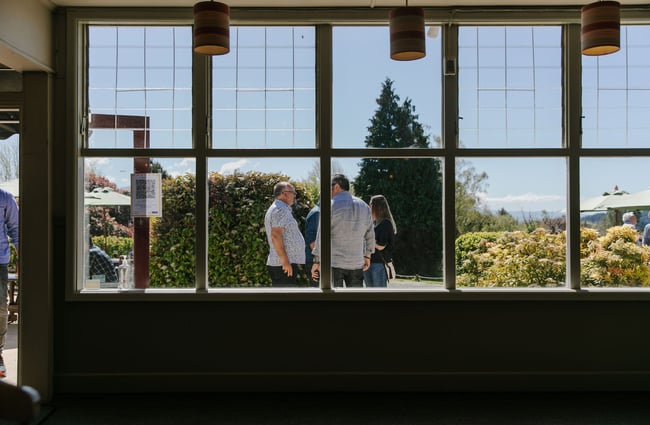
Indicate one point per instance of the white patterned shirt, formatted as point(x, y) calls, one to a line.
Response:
point(279, 214)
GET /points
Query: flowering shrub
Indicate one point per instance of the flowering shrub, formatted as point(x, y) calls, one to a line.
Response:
point(516, 259)
point(616, 260)
point(538, 259)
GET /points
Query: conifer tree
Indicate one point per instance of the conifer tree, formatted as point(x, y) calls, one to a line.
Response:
point(413, 187)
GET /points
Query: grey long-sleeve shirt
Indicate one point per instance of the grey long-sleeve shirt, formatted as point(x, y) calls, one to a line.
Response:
point(353, 234)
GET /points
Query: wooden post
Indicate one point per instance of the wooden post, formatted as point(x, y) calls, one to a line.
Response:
point(140, 127)
point(141, 224)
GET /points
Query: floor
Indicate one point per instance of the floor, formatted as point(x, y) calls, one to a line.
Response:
point(353, 409)
point(10, 353)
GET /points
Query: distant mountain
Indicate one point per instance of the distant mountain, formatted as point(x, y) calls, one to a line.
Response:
point(522, 216)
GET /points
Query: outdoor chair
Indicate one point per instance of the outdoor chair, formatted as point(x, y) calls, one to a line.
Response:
point(18, 404)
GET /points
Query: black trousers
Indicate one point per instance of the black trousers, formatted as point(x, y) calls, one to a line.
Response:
point(352, 278)
point(279, 278)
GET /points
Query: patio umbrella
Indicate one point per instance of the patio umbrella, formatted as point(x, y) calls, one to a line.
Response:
point(602, 202)
point(634, 201)
point(105, 197)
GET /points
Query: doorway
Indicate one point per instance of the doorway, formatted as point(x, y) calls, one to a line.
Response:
point(9, 182)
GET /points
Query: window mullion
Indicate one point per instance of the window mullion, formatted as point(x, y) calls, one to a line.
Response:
point(201, 72)
point(573, 128)
point(324, 143)
point(450, 145)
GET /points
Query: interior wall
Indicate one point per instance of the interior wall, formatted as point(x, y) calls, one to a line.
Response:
point(453, 344)
point(351, 346)
point(26, 35)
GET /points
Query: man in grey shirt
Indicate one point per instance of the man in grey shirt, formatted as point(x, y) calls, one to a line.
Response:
point(286, 243)
point(353, 236)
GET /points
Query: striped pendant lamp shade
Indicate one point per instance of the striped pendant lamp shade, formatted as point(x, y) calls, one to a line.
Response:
point(211, 28)
point(407, 33)
point(601, 28)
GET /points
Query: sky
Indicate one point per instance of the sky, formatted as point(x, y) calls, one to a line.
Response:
point(509, 97)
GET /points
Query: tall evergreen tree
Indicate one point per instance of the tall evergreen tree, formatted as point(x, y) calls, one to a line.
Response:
point(412, 186)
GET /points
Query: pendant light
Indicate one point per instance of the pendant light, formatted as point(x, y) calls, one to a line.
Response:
point(407, 33)
point(211, 28)
point(601, 28)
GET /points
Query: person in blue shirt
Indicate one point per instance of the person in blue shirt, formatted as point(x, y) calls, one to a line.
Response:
point(8, 235)
point(353, 236)
point(311, 229)
point(100, 264)
point(646, 233)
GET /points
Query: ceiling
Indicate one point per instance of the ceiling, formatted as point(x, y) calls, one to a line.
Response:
point(330, 3)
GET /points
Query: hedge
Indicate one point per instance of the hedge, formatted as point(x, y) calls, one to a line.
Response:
point(237, 244)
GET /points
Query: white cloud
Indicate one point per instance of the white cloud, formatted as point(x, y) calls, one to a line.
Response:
point(187, 162)
point(523, 198)
point(96, 162)
point(523, 202)
point(231, 167)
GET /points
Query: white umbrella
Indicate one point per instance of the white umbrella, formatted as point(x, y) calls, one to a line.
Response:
point(10, 186)
point(634, 201)
point(105, 197)
point(600, 203)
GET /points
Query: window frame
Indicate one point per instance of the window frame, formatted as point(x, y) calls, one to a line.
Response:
point(449, 19)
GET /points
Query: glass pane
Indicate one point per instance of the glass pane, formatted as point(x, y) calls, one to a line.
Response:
point(241, 191)
point(139, 87)
point(510, 87)
point(263, 92)
point(510, 222)
point(615, 236)
point(364, 75)
point(615, 101)
point(122, 246)
point(411, 189)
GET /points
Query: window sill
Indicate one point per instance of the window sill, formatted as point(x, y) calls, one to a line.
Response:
point(365, 294)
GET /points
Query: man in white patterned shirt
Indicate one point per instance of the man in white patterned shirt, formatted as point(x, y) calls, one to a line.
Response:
point(286, 243)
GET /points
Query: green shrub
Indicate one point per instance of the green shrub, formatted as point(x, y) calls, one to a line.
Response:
point(114, 246)
point(472, 241)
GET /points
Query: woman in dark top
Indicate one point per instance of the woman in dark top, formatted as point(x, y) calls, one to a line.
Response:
point(385, 230)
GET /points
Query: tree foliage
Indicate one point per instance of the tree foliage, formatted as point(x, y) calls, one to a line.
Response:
point(413, 186)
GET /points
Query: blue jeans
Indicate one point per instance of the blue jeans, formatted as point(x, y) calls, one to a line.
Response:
point(4, 304)
point(375, 276)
